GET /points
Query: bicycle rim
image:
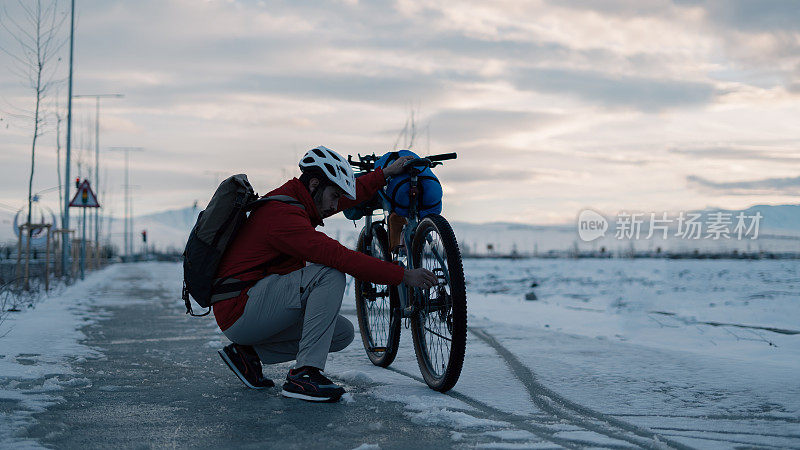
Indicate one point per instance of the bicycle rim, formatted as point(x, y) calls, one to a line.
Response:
point(375, 305)
point(439, 327)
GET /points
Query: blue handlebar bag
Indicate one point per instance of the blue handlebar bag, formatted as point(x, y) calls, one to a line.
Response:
point(395, 193)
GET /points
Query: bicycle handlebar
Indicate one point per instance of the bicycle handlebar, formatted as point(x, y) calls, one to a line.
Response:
point(367, 162)
point(442, 157)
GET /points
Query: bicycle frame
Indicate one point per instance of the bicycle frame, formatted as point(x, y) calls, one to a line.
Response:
point(408, 234)
point(407, 306)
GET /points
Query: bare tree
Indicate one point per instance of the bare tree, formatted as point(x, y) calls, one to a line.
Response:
point(37, 33)
point(408, 134)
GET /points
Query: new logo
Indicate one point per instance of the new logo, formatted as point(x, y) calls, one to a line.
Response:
point(591, 225)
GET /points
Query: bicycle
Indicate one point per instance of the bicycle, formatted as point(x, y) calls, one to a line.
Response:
point(437, 316)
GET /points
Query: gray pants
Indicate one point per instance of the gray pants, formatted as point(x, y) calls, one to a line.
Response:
point(295, 317)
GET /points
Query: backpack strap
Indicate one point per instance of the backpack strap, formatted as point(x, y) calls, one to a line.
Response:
point(227, 287)
point(280, 198)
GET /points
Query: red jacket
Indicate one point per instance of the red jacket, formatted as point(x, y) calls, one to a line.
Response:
point(278, 228)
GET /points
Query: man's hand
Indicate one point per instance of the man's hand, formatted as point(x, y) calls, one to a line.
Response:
point(423, 278)
point(396, 167)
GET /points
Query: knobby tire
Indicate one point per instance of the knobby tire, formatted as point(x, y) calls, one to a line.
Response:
point(377, 319)
point(430, 330)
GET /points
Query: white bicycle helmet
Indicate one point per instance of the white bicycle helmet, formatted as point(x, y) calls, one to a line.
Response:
point(333, 166)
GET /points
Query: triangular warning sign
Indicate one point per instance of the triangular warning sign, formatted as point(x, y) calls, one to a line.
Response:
point(84, 198)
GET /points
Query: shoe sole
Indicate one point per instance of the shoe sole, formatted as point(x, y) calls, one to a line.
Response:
point(310, 398)
point(232, 366)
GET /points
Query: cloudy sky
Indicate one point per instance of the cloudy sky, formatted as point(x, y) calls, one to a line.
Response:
point(552, 106)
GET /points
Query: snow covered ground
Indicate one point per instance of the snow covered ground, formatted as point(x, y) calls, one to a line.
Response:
point(612, 353)
point(40, 346)
point(660, 303)
point(679, 348)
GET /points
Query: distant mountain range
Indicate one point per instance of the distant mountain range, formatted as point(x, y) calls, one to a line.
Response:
point(779, 229)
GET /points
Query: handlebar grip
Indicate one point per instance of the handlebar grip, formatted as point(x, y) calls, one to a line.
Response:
point(442, 157)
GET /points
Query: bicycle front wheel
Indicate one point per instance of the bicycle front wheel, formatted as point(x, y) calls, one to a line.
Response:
point(439, 325)
point(377, 306)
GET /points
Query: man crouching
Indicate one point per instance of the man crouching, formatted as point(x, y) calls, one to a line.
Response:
point(290, 307)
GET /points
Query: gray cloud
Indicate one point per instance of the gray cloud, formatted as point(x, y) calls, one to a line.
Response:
point(746, 15)
point(502, 49)
point(765, 186)
point(378, 88)
point(466, 125)
point(609, 157)
point(761, 35)
point(242, 85)
point(645, 94)
point(749, 15)
point(622, 8)
point(735, 153)
point(199, 63)
point(490, 174)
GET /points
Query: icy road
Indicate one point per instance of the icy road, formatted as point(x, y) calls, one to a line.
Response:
point(611, 354)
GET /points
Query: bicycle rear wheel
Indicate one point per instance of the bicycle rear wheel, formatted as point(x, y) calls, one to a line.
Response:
point(439, 326)
point(377, 305)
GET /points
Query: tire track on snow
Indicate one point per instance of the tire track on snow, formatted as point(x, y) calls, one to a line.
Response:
point(549, 401)
point(516, 420)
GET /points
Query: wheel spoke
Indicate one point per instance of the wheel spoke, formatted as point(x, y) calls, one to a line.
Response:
point(439, 327)
point(378, 309)
point(437, 334)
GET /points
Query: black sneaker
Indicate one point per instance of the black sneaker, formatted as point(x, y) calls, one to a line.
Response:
point(308, 383)
point(246, 365)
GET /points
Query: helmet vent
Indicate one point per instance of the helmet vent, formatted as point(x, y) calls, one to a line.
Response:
point(308, 160)
point(318, 152)
point(330, 169)
point(336, 156)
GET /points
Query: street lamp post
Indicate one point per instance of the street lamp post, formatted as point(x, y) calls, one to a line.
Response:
point(128, 206)
point(97, 98)
point(65, 250)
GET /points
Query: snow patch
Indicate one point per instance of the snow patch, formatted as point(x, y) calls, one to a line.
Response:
point(512, 435)
point(452, 419)
point(356, 377)
point(516, 445)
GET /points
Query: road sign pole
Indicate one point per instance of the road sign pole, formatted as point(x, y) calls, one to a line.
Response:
point(83, 245)
point(84, 198)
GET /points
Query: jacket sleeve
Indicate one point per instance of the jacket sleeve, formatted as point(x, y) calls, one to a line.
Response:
point(366, 187)
point(293, 235)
